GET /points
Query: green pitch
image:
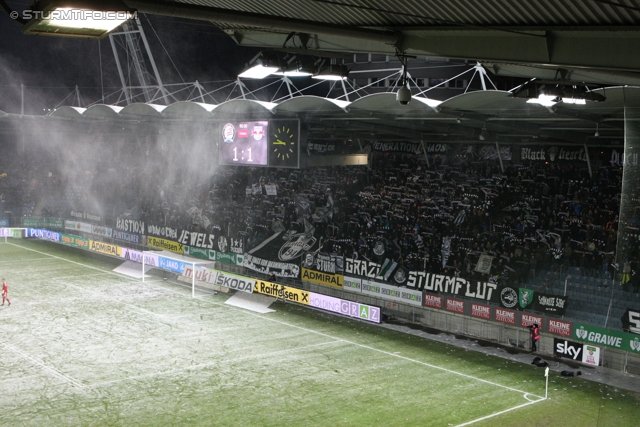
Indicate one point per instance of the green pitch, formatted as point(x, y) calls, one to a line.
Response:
point(83, 346)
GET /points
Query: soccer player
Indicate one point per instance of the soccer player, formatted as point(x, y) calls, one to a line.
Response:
point(5, 291)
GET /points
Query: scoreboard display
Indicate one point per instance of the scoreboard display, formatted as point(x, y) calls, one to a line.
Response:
point(244, 143)
point(274, 143)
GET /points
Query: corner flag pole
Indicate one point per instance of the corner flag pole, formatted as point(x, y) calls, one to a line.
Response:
point(546, 390)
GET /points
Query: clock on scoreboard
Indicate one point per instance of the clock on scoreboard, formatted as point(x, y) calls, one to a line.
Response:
point(273, 143)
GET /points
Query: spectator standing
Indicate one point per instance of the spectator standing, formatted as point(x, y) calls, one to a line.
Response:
point(534, 334)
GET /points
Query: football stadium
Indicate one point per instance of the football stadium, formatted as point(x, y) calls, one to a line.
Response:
point(419, 214)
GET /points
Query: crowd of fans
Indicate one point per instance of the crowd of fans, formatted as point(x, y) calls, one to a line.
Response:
point(439, 216)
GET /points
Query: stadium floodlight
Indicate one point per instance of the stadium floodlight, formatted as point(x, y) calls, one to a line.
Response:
point(261, 66)
point(76, 18)
point(332, 72)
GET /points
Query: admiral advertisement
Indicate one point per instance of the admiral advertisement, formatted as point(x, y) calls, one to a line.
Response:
point(167, 245)
point(281, 253)
point(585, 353)
point(356, 310)
point(130, 225)
point(105, 248)
point(37, 233)
point(137, 256)
point(326, 279)
point(606, 337)
point(280, 291)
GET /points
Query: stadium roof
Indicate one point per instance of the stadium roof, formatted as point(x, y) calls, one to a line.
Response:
point(587, 38)
point(483, 116)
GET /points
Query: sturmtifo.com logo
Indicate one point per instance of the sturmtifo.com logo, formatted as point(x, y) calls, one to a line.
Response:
point(635, 344)
point(74, 15)
point(582, 333)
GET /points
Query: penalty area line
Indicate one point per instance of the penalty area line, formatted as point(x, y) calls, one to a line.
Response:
point(468, 423)
point(40, 364)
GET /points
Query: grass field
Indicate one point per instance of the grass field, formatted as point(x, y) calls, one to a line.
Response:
point(84, 346)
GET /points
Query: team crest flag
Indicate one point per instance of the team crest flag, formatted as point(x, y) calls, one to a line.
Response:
point(525, 297)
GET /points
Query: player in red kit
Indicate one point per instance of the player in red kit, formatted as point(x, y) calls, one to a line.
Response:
point(5, 291)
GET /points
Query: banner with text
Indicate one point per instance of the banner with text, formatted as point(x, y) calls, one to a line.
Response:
point(607, 337)
point(314, 276)
point(356, 310)
point(283, 292)
point(164, 244)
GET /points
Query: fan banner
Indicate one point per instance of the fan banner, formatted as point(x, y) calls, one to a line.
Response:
point(130, 225)
point(631, 321)
point(553, 153)
point(281, 252)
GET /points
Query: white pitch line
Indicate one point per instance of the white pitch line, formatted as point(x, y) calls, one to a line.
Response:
point(500, 413)
point(320, 333)
point(24, 259)
point(42, 365)
point(206, 365)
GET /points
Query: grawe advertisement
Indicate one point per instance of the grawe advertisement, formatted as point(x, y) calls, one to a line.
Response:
point(606, 337)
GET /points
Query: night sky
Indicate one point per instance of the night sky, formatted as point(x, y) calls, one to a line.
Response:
point(51, 67)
